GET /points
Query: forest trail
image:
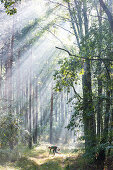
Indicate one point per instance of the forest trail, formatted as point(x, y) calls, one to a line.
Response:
point(40, 159)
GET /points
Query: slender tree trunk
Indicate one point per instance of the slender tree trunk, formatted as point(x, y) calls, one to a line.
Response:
point(34, 116)
point(110, 139)
point(36, 127)
point(59, 111)
point(56, 111)
point(88, 110)
point(107, 110)
point(80, 20)
point(30, 121)
point(73, 25)
point(99, 105)
point(62, 107)
point(108, 13)
point(1, 65)
point(9, 79)
point(51, 118)
point(41, 118)
point(30, 106)
point(18, 80)
point(26, 109)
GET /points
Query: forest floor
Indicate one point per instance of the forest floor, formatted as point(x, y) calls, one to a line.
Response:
point(39, 159)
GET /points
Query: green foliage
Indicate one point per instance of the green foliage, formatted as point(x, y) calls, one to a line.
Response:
point(11, 11)
point(93, 41)
point(67, 75)
point(73, 123)
point(50, 164)
point(27, 164)
point(9, 6)
point(9, 130)
point(66, 1)
point(7, 155)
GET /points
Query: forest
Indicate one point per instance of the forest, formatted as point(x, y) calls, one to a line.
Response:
point(56, 85)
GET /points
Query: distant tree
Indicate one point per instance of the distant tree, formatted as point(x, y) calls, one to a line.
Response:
point(51, 117)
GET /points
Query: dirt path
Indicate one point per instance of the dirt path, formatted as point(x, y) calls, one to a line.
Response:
point(40, 159)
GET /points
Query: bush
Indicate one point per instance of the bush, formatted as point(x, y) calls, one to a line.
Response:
point(7, 155)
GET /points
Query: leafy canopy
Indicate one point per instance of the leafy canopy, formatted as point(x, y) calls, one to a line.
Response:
point(9, 6)
point(67, 75)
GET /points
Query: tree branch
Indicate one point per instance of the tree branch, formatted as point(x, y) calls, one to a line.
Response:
point(64, 29)
point(77, 93)
point(108, 13)
point(58, 3)
point(101, 59)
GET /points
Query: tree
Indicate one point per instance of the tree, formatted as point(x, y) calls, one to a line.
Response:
point(51, 118)
point(88, 112)
point(91, 44)
point(108, 13)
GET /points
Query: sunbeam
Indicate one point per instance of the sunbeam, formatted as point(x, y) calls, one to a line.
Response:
point(56, 83)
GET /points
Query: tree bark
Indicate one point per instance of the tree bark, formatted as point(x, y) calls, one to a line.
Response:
point(107, 110)
point(30, 107)
point(51, 118)
point(88, 110)
point(99, 64)
point(62, 108)
point(108, 13)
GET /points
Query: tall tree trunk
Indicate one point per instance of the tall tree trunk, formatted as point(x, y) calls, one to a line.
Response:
point(99, 105)
point(110, 77)
point(30, 106)
point(34, 116)
point(108, 73)
point(18, 80)
point(51, 118)
point(26, 109)
point(36, 127)
point(56, 111)
point(108, 13)
point(88, 110)
point(62, 108)
point(107, 109)
point(73, 25)
point(9, 79)
point(41, 117)
point(30, 121)
point(1, 65)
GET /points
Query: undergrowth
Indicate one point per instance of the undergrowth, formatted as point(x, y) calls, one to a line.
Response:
point(38, 158)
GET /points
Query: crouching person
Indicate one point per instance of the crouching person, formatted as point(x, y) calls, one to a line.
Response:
point(54, 149)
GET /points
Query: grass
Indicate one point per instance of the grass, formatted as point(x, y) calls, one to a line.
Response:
point(25, 164)
point(39, 159)
point(50, 164)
